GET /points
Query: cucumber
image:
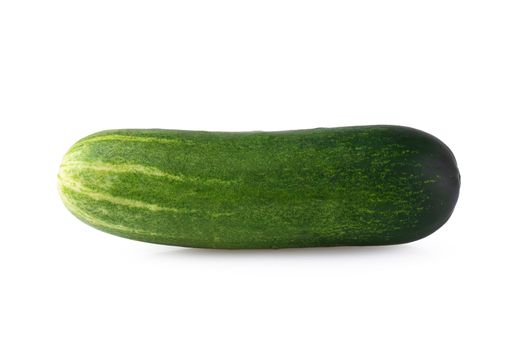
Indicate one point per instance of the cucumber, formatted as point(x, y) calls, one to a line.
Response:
point(363, 185)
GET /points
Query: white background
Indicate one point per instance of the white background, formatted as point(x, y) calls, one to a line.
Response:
point(454, 68)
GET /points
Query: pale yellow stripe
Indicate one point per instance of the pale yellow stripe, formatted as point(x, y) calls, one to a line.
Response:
point(132, 139)
point(75, 209)
point(77, 187)
point(136, 168)
point(121, 168)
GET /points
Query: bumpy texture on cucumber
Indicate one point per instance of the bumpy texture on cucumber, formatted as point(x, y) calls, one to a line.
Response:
point(366, 185)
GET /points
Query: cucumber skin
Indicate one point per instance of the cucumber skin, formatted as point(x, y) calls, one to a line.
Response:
point(363, 185)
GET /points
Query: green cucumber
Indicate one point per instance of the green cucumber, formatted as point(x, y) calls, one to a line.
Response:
point(364, 185)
